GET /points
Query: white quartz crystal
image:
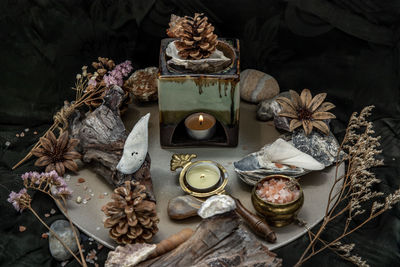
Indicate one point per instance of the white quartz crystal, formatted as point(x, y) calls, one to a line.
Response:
point(216, 205)
point(129, 255)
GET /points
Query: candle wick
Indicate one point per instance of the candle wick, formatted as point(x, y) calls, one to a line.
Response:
point(202, 176)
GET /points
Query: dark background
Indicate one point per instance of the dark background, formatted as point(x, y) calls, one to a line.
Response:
point(347, 48)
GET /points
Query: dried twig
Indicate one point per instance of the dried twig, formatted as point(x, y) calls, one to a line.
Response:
point(362, 148)
point(54, 186)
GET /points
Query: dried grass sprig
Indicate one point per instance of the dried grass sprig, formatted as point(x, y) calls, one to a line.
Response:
point(356, 191)
point(90, 90)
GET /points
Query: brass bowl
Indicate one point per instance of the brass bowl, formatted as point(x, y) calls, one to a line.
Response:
point(278, 215)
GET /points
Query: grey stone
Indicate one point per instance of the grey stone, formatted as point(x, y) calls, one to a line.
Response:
point(282, 123)
point(323, 148)
point(267, 109)
point(183, 207)
point(64, 231)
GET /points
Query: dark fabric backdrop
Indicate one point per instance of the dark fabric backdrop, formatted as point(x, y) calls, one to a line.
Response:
point(347, 48)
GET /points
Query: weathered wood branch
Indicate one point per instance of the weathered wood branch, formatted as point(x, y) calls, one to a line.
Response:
point(219, 241)
point(102, 135)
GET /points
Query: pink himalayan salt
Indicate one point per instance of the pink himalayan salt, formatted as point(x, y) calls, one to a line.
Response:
point(277, 191)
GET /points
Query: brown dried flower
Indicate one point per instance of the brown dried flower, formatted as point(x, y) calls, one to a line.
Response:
point(131, 217)
point(57, 154)
point(306, 111)
point(197, 38)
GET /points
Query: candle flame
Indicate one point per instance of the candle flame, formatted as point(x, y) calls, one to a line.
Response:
point(201, 119)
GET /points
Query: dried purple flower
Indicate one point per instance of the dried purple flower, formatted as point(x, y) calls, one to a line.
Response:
point(116, 76)
point(47, 181)
point(20, 200)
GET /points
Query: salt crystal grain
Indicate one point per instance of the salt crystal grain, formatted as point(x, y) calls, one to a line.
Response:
point(78, 199)
point(8, 143)
point(91, 239)
point(64, 263)
point(17, 135)
point(105, 193)
point(84, 201)
point(22, 134)
point(52, 211)
point(47, 215)
point(92, 194)
point(34, 132)
point(90, 190)
point(98, 228)
point(277, 191)
point(26, 130)
point(68, 177)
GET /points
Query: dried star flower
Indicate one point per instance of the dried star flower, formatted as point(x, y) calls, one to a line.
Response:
point(306, 111)
point(57, 154)
point(20, 200)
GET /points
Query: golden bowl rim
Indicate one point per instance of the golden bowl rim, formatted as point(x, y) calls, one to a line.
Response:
point(254, 193)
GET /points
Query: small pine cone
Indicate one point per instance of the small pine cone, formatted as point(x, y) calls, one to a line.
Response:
point(197, 38)
point(131, 217)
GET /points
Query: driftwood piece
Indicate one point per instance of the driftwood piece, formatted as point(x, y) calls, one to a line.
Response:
point(219, 241)
point(102, 135)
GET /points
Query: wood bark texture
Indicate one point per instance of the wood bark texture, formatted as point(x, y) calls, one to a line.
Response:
point(219, 241)
point(102, 135)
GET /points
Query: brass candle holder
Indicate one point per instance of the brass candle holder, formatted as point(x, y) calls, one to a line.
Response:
point(185, 162)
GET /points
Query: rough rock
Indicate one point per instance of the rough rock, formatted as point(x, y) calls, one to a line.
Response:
point(216, 205)
point(282, 123)
point(183, 207)
point(129, 255)
point(267, 109)
point(323, 148)
point(63, 229)
point(143, 84)
point(256, 86)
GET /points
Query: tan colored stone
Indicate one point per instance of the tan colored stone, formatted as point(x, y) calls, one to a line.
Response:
point(256, 86)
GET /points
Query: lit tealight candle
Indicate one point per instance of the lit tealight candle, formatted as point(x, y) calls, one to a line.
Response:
point(200, 126)
point(203, 176)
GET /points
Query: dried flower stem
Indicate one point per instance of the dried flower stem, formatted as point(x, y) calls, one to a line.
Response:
point(87, 96)
point(64, 208)
point(44, 183)
point(56, 236)
point(361, 147)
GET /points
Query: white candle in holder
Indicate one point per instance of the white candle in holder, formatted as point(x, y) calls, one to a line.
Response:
point(203, 176)
point(200, 126)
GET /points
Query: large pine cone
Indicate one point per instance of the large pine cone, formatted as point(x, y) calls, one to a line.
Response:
point(131, 217)
point(197, 38)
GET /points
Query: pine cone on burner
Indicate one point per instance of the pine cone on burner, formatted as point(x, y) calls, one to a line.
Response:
point(197, 38)
point(131, 217)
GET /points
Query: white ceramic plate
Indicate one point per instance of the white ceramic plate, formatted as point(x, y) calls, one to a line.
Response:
point(253, 135)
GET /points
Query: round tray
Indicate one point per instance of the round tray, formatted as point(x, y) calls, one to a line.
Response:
point(89, 218)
